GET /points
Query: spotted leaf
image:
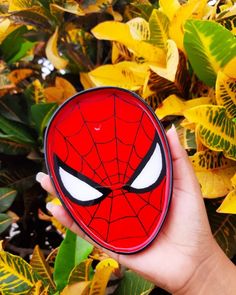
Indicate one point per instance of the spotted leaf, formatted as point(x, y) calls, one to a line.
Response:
point(214, 172)
point(215, 129)
point(226, 93)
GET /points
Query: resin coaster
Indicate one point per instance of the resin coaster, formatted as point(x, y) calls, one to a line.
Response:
point(109, 160)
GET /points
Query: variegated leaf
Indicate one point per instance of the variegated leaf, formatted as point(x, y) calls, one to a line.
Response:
point(120, 32)
point(16, 275)
point(216, 130)
point(173, 105)
point(226, 93)
point(139, 29)
point(204, 42)
point(80, 273)
point(162, 87)
point(169, 7)
point(129, 75)
point(121, 53)
point(159, 29)
point(41, 266)
point(229, 203)
point(214, 172)
point(191, 9)
point(102, 274)
point(230, 67)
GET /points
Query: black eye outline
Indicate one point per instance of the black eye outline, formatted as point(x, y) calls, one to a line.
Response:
point(103, 190)
point(128, 186)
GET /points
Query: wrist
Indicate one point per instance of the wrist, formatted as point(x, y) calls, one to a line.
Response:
point(215, 275)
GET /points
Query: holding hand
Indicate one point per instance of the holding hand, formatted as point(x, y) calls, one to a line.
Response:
point(184, 258)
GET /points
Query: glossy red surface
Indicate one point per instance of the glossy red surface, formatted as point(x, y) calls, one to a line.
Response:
point(109, 161)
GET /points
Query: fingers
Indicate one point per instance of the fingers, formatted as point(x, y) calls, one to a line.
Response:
point(184, 176)
point(46, 183)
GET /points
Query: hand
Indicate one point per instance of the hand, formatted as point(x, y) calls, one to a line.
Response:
point(184, 254)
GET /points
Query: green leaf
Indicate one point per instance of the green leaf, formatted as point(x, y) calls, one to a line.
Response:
point(9, 147)
point(72, 250)
point(209, 47)
point(5, 222)
point(16, 275)
point(13, 107)
point(14, 46)
point(18, 132)
point(133, 284)
point(223, 227)
point(41, 114)
point(7, 196)
point(159, 29)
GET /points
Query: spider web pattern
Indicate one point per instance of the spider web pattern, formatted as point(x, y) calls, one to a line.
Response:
point(106, 142)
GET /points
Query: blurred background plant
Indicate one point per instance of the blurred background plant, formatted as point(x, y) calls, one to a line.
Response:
point(179, 56)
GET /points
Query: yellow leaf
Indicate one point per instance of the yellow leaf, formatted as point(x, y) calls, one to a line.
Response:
point(102, 274)
point(172, 62)
point(116, 15)
point(37, 289)
point(121, 53)
point(173, 105)
point(17, 76)
point(1, 247)
point(230, 67)
point(38, 91)
point(53, 54)
point(226, 93)
point(192, 9)
point(169, 7)
point(229, 204)
point(214, 172)
point(62, 90)
point(139, 29)
point(4, 26)
point(81, 272)
point(129, 75)
point(99, 5)
point(41, 266)
point(80, 288)
point(120, 32)
point(15, 5)
point(72, 7)
point(86, 81)
point(216, 130)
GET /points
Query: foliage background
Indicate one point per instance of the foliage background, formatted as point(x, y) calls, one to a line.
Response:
point(180, 56)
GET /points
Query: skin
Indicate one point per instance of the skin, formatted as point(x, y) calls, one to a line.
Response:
point(184, 258)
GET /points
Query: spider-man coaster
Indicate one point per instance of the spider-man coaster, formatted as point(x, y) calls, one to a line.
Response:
point(109, 161)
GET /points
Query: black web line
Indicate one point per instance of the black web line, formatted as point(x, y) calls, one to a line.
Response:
point(147, 203)
point(118, 168)
point(83, 159)
point(85, 122)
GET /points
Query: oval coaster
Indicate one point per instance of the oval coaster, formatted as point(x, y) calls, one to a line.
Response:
point(109, 161)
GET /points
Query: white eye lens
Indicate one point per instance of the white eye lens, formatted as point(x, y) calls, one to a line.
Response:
point(77, 188)
point(150, 172)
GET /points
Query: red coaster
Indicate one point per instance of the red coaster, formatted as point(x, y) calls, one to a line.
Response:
point(109, 160)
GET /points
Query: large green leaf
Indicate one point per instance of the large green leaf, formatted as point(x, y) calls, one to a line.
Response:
point(5, 222)
point(159, 29)
point(73, 250)
point(16, 131)
point(223, 228)
point(41, 114)
point(209, 47)
point(14, 46)
point(7, 196)
point(215, 129)
point(16, 275)
point(133, 284)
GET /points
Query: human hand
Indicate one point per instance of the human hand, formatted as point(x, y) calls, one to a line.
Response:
point(184, 252)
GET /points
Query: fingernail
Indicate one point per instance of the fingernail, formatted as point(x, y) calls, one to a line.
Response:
point(49, 206)
point(40, 176)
